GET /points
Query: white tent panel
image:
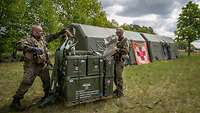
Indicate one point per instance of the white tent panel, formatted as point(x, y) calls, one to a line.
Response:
point(196, 44)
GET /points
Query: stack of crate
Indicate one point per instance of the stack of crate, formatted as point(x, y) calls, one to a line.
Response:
point(86, 78)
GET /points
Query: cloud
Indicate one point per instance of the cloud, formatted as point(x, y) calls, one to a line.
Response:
point(161, 15)
point(160, 24)
point(108, 3)
point(142, 7)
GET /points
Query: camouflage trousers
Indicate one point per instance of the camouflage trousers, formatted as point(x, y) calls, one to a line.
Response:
point(30, 72)
point(118, 80)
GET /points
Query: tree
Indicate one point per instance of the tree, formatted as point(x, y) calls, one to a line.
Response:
point(17, 17)
point(12, 21)
point(188, 24)
point(137, 28)
point(114, 23)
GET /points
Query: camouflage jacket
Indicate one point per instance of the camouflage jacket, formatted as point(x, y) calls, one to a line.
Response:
point(123, 50)
point(25, 45)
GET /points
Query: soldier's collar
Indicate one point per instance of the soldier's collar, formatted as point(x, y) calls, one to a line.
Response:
point(36, 38)
point(121, 38)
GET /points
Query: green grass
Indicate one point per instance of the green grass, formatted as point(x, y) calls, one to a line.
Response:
point(160, 87)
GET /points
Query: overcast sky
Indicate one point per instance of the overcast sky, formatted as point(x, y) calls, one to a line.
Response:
point(161, 15)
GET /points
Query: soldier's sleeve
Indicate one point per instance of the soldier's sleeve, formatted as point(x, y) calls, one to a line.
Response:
point(51, 37)
point(24, 45)
point(125, 49)
point(63, 32)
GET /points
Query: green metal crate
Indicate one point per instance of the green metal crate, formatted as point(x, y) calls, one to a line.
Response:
point(82, 89)
point(108, 86)
point(75, 66)
point(108, 68)
point(94, 65)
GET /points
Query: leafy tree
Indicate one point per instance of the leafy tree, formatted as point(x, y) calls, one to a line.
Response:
point(11, 23)
point(188, 24)
point(137, 28)
point(114, 23)
point(82, 11)
point(182, 45)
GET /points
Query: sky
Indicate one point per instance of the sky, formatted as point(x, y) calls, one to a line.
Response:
point(161, 15)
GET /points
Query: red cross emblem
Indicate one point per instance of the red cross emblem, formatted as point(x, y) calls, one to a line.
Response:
point(141, 53)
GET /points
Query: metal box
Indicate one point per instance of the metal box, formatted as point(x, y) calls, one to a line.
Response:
point(75, 66)
point(108, 86)
point(108, 68)
point(94, 65)
point(82, 89)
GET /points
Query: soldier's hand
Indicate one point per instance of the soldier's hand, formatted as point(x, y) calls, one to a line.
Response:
point(38, 51)
point(65, 32)
point(62, 31)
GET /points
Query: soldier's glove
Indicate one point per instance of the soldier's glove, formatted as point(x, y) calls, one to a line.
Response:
point(37, 50)
point(65, 32)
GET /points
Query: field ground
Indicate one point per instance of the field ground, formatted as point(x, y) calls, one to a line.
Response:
point(160, 87)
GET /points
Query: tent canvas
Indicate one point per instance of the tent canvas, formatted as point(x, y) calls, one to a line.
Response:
point(196, 44)
point(137, 45)
point(92, 37)
point(154, 46)
point(169, 47)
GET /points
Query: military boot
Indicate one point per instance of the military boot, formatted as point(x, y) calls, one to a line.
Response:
point(117, 93)
point(120, 94)
point(46, 94)
point(16, 105)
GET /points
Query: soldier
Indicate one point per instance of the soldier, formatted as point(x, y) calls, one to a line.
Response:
point(122, 51)
point(36, 59)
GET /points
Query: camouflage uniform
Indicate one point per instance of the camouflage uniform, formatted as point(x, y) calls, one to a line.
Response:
point(34, 64)
point(119, 65)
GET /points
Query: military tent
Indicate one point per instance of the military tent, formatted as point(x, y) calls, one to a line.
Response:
point(196, 44)
point(144, 47)
point(169, 47)
point(154, 46)
point(92, 38)
point(138, 51)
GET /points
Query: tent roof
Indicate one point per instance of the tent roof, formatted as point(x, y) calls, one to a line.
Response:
point(100, 32)
point(96, 32)
point(157, 38)
point(151, 37)
point(196, 43)
point(166, 39)
point(133, 36)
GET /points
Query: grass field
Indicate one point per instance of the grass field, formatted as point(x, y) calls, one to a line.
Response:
point(160, 87)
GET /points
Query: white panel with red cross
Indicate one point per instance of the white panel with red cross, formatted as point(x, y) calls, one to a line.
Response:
point(141, 52)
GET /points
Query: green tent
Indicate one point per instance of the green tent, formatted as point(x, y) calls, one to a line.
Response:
point(133, 37)
point(92, 38)
point(169, 47)
point(154, 46)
